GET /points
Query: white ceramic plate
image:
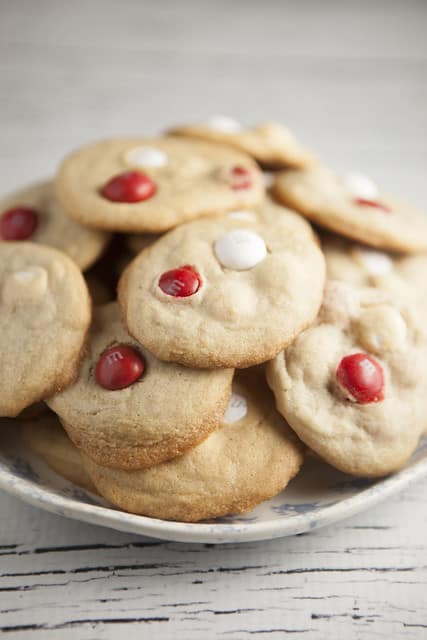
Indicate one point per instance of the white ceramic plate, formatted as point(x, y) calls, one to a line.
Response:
point(318, 496)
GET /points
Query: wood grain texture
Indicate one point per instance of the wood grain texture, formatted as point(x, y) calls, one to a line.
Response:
point(349, 78)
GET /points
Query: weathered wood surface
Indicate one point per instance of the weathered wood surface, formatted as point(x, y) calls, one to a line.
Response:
point(350, 78)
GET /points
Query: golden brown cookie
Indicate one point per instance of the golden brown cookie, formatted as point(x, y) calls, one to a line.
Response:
point(34, 214)
point(363, 266)
point(353, 386)
point(341, 204)
point(46, 437)
point(249, 459)
point(225, 292)
point(129, 410)
point(149, 185)
point(270, 143)
point(45, 315)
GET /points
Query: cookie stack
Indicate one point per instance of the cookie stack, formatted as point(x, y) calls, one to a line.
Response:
point(153, 396)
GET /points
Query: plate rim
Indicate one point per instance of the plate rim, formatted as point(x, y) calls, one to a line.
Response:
point(214, 533)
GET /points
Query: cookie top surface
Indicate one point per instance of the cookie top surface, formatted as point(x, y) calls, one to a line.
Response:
point(45, 315)
point(127, 418)
point(34, 214)
point(353, 385)
point(228, 291)
point(153, 184)
point(340, 203)
point(269, 143)
point(249, 459)
point(46, 437)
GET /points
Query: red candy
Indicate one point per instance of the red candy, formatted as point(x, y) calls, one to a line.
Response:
point(363, 202)
point(18, 223)
point(131, 186)
point(119, 367)
point(362, 377)
point(240, 178)
point(181, 282)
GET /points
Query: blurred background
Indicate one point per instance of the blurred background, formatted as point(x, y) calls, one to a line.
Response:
point(349, 78)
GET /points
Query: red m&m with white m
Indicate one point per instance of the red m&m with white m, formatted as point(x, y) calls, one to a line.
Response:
point(119, 367)
point(130, 187)
point(18, 223)
point(361, 378)
point(240, 178)
point(181, 282)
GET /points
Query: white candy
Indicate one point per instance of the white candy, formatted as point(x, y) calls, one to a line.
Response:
point(146, 157)
point(27, 284)
point(224, 124)
point(242, 215)
point(376, 262)
point(361, 186)
point(268, 178)
point(240, 249)
point(25, 277)
point(237, 408)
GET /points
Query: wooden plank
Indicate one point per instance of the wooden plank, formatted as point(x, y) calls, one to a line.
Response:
point(363, 578)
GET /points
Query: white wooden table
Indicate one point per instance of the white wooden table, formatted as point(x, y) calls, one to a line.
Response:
point(350, 79)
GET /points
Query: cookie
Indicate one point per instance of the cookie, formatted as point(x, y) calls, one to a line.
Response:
point(352, 206)
point(249, 459)
point(45, 315)
point(270, 143)
point(47, 439)
point(142, 185)
point(353, 386)
point(225, 292)
point(34, 214)
point(363, 266)
point(129, 410)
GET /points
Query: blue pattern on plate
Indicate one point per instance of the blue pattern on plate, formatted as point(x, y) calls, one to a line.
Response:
point(317, 496)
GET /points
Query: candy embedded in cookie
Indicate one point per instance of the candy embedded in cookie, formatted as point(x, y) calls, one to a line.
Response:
point(353, 385)
point(270, 143)
point(18, 223)
point(181, 282)
point(118, 367)
point(360, 378)
point(225, 292)
point(352, 206)
point(139, 185)
point(128, 410)
point(44, 318)
point(250, 458)
point(240, 249)
point(34, 214)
